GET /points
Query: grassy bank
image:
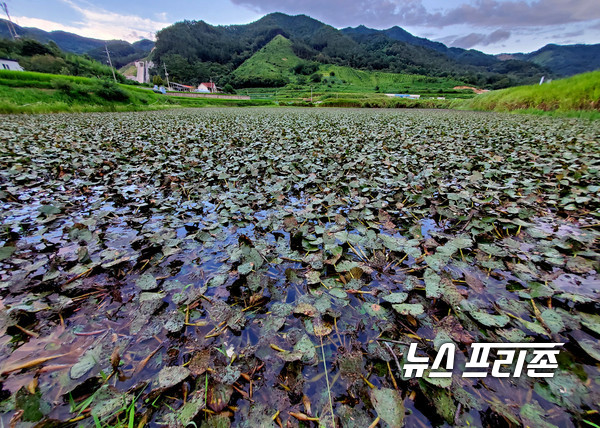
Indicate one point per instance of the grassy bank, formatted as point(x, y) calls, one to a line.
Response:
point(577, 96)
point(28, 92)
point(386, 103)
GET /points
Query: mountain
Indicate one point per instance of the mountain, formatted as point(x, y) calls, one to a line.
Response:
point(195, 50)
point(564, 60)
point(68, 42)
point(121, 52)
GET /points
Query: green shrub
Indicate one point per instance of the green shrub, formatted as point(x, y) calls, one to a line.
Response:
point(44, 64)
point(306, 68)
point(70, 88)
point(110, 91)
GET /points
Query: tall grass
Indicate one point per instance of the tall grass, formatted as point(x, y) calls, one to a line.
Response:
point(577, 93)
point(28, 76)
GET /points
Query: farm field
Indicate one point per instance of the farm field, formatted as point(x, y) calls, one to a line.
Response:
point(271, 267)
point(29, 92)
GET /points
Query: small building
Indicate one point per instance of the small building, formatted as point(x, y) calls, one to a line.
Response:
point(209, 87)
point(181, 88)
point(10, 64)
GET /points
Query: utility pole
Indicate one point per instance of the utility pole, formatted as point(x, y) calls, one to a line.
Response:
point(11, 27)
point(167, 77)
point(110, 62)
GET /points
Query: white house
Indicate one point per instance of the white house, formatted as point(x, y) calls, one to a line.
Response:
point(207, 87)
point(9, 64)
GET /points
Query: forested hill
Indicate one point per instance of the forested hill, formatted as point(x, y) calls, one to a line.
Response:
point(564, 60)
point(195, 50)
point(470, 56)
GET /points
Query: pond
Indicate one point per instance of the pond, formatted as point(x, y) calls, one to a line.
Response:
point(272, 267)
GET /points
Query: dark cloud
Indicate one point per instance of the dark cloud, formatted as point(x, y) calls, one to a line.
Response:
point(572, 34)
point(478, 39)
point(517, 13)
point(482, 13)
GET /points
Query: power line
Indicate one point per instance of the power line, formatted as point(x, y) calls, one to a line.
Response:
point(167, 76)
point(110, 62)
point(11, 27)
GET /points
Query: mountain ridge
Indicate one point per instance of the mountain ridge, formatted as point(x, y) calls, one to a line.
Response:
point(581, 57)
point(393, 49)
point(565, 60)
point(193, 50)
point(122, 52)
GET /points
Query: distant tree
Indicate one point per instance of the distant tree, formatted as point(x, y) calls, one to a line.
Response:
point(31, 47)
point(157, 80)
point(44, 64)
point(315, 77)
point(228, 89)
point(306, 68)
point(55, 49)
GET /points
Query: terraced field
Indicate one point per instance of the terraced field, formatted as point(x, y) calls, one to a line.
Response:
point(258, 268)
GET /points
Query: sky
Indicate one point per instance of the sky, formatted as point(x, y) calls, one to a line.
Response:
point(491, 26)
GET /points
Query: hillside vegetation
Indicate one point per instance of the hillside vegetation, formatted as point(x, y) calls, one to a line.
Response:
point(388, 82)
point(49, 58)
point(270, 66)
point(277, 66)
point(577, 93)
point(30, 92)
point(194, 51)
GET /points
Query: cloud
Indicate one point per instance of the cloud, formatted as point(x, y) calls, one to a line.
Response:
point(481, 13)
point(572, 34)
point(478, 39)
point(100, 24)
point(517, 13)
